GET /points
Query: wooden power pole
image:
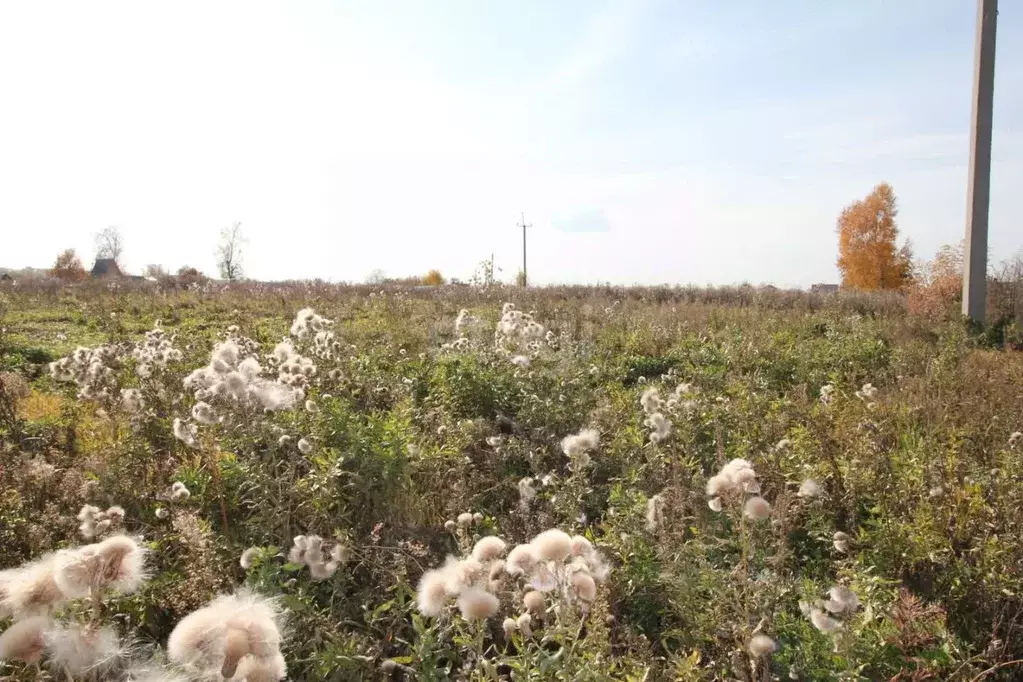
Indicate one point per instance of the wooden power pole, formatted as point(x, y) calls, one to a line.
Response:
point(979, 189)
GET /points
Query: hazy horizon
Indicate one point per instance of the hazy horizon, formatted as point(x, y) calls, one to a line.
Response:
point(646, 142)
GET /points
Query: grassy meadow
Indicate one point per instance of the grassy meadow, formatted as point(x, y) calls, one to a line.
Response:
point(751, 484)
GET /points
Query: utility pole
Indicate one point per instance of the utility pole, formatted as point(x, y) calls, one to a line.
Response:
point(525, 280)
point(979, 188)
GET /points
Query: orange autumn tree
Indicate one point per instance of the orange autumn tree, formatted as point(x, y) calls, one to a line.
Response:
point(868, 257)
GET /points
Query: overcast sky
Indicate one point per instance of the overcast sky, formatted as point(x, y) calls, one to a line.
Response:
point(691, 142)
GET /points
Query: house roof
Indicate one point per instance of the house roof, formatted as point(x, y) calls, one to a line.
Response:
point(104, 267)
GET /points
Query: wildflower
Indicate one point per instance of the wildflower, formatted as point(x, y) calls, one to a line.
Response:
point(304, 446)
point(311, 407)
point(715, 504)
point(214, 640)
point(654, 513)
point(488, 548)
point(827, 393)
point(24, 640)
point(761, 645)
point(810, 488)
point(1015, 439)
point(248, 557)
point(284, 441)
point(477, 518)
point(186, 433)
point(464, 520)
point(450, 525)
point(521, 559)
point(841, 599)
point(117, 563)
point(551, 545)
point(534, 601)
point(476, 604)
point(510, 625)
point(179, 492)
point(823, 621)
point(841, 541)
point(757, 508)
point(82, 650)
point(161, 513)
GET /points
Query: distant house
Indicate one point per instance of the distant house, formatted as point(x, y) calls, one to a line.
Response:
point(6, 277)
point(824, 289)
point(106, 267)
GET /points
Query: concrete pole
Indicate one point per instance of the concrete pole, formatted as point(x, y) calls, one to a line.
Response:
point(979, 189)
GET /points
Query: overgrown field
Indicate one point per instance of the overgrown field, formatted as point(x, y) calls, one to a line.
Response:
point(769, 486)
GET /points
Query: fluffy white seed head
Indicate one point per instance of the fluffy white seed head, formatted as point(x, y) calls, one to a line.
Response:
point(552, 545)
point(841, 600)
point(431, 594)
point(489, 548)
point(24, 640)
point(761, 645)
point(248, 557)
point(179, 492)
point(584, 586)
point(83, 650)
point(757, 508)
point(117, 563)
point(810, 489)
point(464, 520)
point(841, 541)
point(216, 638)
point(510, 626)
point(521, 560)
point(823, 621)
point(304, 446)
point(476, 604)
point(534, 602)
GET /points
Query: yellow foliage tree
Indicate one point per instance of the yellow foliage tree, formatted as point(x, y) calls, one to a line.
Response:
point(433, 278)
point(68, 267)
point(867, 255)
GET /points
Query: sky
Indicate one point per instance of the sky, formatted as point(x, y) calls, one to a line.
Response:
point(645, 141)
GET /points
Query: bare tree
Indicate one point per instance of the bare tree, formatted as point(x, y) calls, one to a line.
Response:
point(229, 253)
point(110, 244)
point(156, 271)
